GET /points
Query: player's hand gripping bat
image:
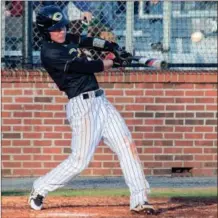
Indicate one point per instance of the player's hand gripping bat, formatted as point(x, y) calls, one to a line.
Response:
point(126, 59)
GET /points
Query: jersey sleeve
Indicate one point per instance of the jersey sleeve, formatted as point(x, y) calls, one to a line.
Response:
point(61, 60)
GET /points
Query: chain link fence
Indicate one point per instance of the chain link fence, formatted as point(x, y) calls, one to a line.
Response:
point(156, 29)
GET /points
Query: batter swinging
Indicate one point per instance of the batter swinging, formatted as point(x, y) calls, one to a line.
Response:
point(90, 114)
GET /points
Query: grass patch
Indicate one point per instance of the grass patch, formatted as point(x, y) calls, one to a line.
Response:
point(156, 192)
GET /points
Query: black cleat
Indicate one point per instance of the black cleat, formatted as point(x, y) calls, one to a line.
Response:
point(145, 208)
point(35, 201)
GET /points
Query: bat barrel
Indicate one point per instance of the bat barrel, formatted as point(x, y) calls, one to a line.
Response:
point(150, 62)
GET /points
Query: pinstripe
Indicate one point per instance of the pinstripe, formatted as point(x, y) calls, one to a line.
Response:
point(90, 120)
point(115, 125)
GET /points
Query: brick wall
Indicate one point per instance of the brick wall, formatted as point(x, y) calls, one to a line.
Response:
point(172, 117)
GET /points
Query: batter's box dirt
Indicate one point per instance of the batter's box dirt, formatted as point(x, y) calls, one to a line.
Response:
point(113, 207)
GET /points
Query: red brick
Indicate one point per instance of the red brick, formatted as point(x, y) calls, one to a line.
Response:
point(22, 157)
point(203, 129)
point(12, 92)
point(154, 92)
point(162, 171)
point(124, 100)
point(205, 115)
point(32, 164)
point(6, 143)
point(6, 172)
point(23, 100)
point(204, 100)
point(42, 128)
point(101, 172)
point(184, 143)
point(194, 93)
point(192, 164)
point(153, 150)
point(172, 150)
point(11, 164)
point(175, 107)
point(153, 135)
point(52, 150)
point(144, 100)
point(135, 107)
point(42, 157)
point(183, 157)
point(61, 100)
point(184, 100)
point(172, 164)
point(154, 107)
point(53, 107)
point(211, 107)
point(48, 92)
point(22, 128)
point(123, 85)
point(192, 150)
point(60, 157)
point(184, 129)
point(146, 157)
point(103, 157)
point(43, 99)
point(12, 121)
point(203, 143)
point(50, 164)
point(195, 107)
point(53, 121)
point(114, 92)
point(210, 150)
point(163, 143)
point(117, 172)
point(203, 157)
point(163, 157)
point(164, 100)
point(11, 136)
point(6, 129)
point(5, 157)
point(173, 135)
point(153, 122)
point(152, 164)
point(6, 99)
point(193, 136)
point(21, 142)
point(31, 150)
point(163, 129)
point(210, 135)
point(143, 129)
point(211, 93)
point(34, 135)
point(174, 93)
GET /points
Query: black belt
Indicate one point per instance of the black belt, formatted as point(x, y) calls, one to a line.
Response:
point(92, 94)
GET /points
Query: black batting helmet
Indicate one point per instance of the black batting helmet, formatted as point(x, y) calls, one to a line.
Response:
point(50, 18)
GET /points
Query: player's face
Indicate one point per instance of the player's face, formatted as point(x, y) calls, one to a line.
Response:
point(58, 35)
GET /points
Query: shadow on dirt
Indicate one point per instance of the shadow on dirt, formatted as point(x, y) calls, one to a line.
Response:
point(187, 203)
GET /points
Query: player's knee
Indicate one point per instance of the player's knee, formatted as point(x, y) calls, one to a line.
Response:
point(78, 162)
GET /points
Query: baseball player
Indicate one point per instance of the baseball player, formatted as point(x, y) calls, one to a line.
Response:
point(91, 116)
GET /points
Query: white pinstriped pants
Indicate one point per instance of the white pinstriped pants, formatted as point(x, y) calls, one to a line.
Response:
point(91, 120)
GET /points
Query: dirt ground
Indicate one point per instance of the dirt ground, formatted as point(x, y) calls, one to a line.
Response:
point(56, 207)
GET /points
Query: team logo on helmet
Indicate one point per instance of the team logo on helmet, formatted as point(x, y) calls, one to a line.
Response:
point(57, 16)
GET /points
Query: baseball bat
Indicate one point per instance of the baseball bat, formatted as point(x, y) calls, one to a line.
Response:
point(155, 63)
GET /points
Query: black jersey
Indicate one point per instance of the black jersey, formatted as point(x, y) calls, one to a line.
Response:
point(72, 71)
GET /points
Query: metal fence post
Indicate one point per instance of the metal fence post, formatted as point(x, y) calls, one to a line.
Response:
point(129, 25)
point(27, 34)
point(167, 13)
point(2, 34)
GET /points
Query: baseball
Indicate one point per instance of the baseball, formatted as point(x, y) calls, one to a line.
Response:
point(197, 36)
